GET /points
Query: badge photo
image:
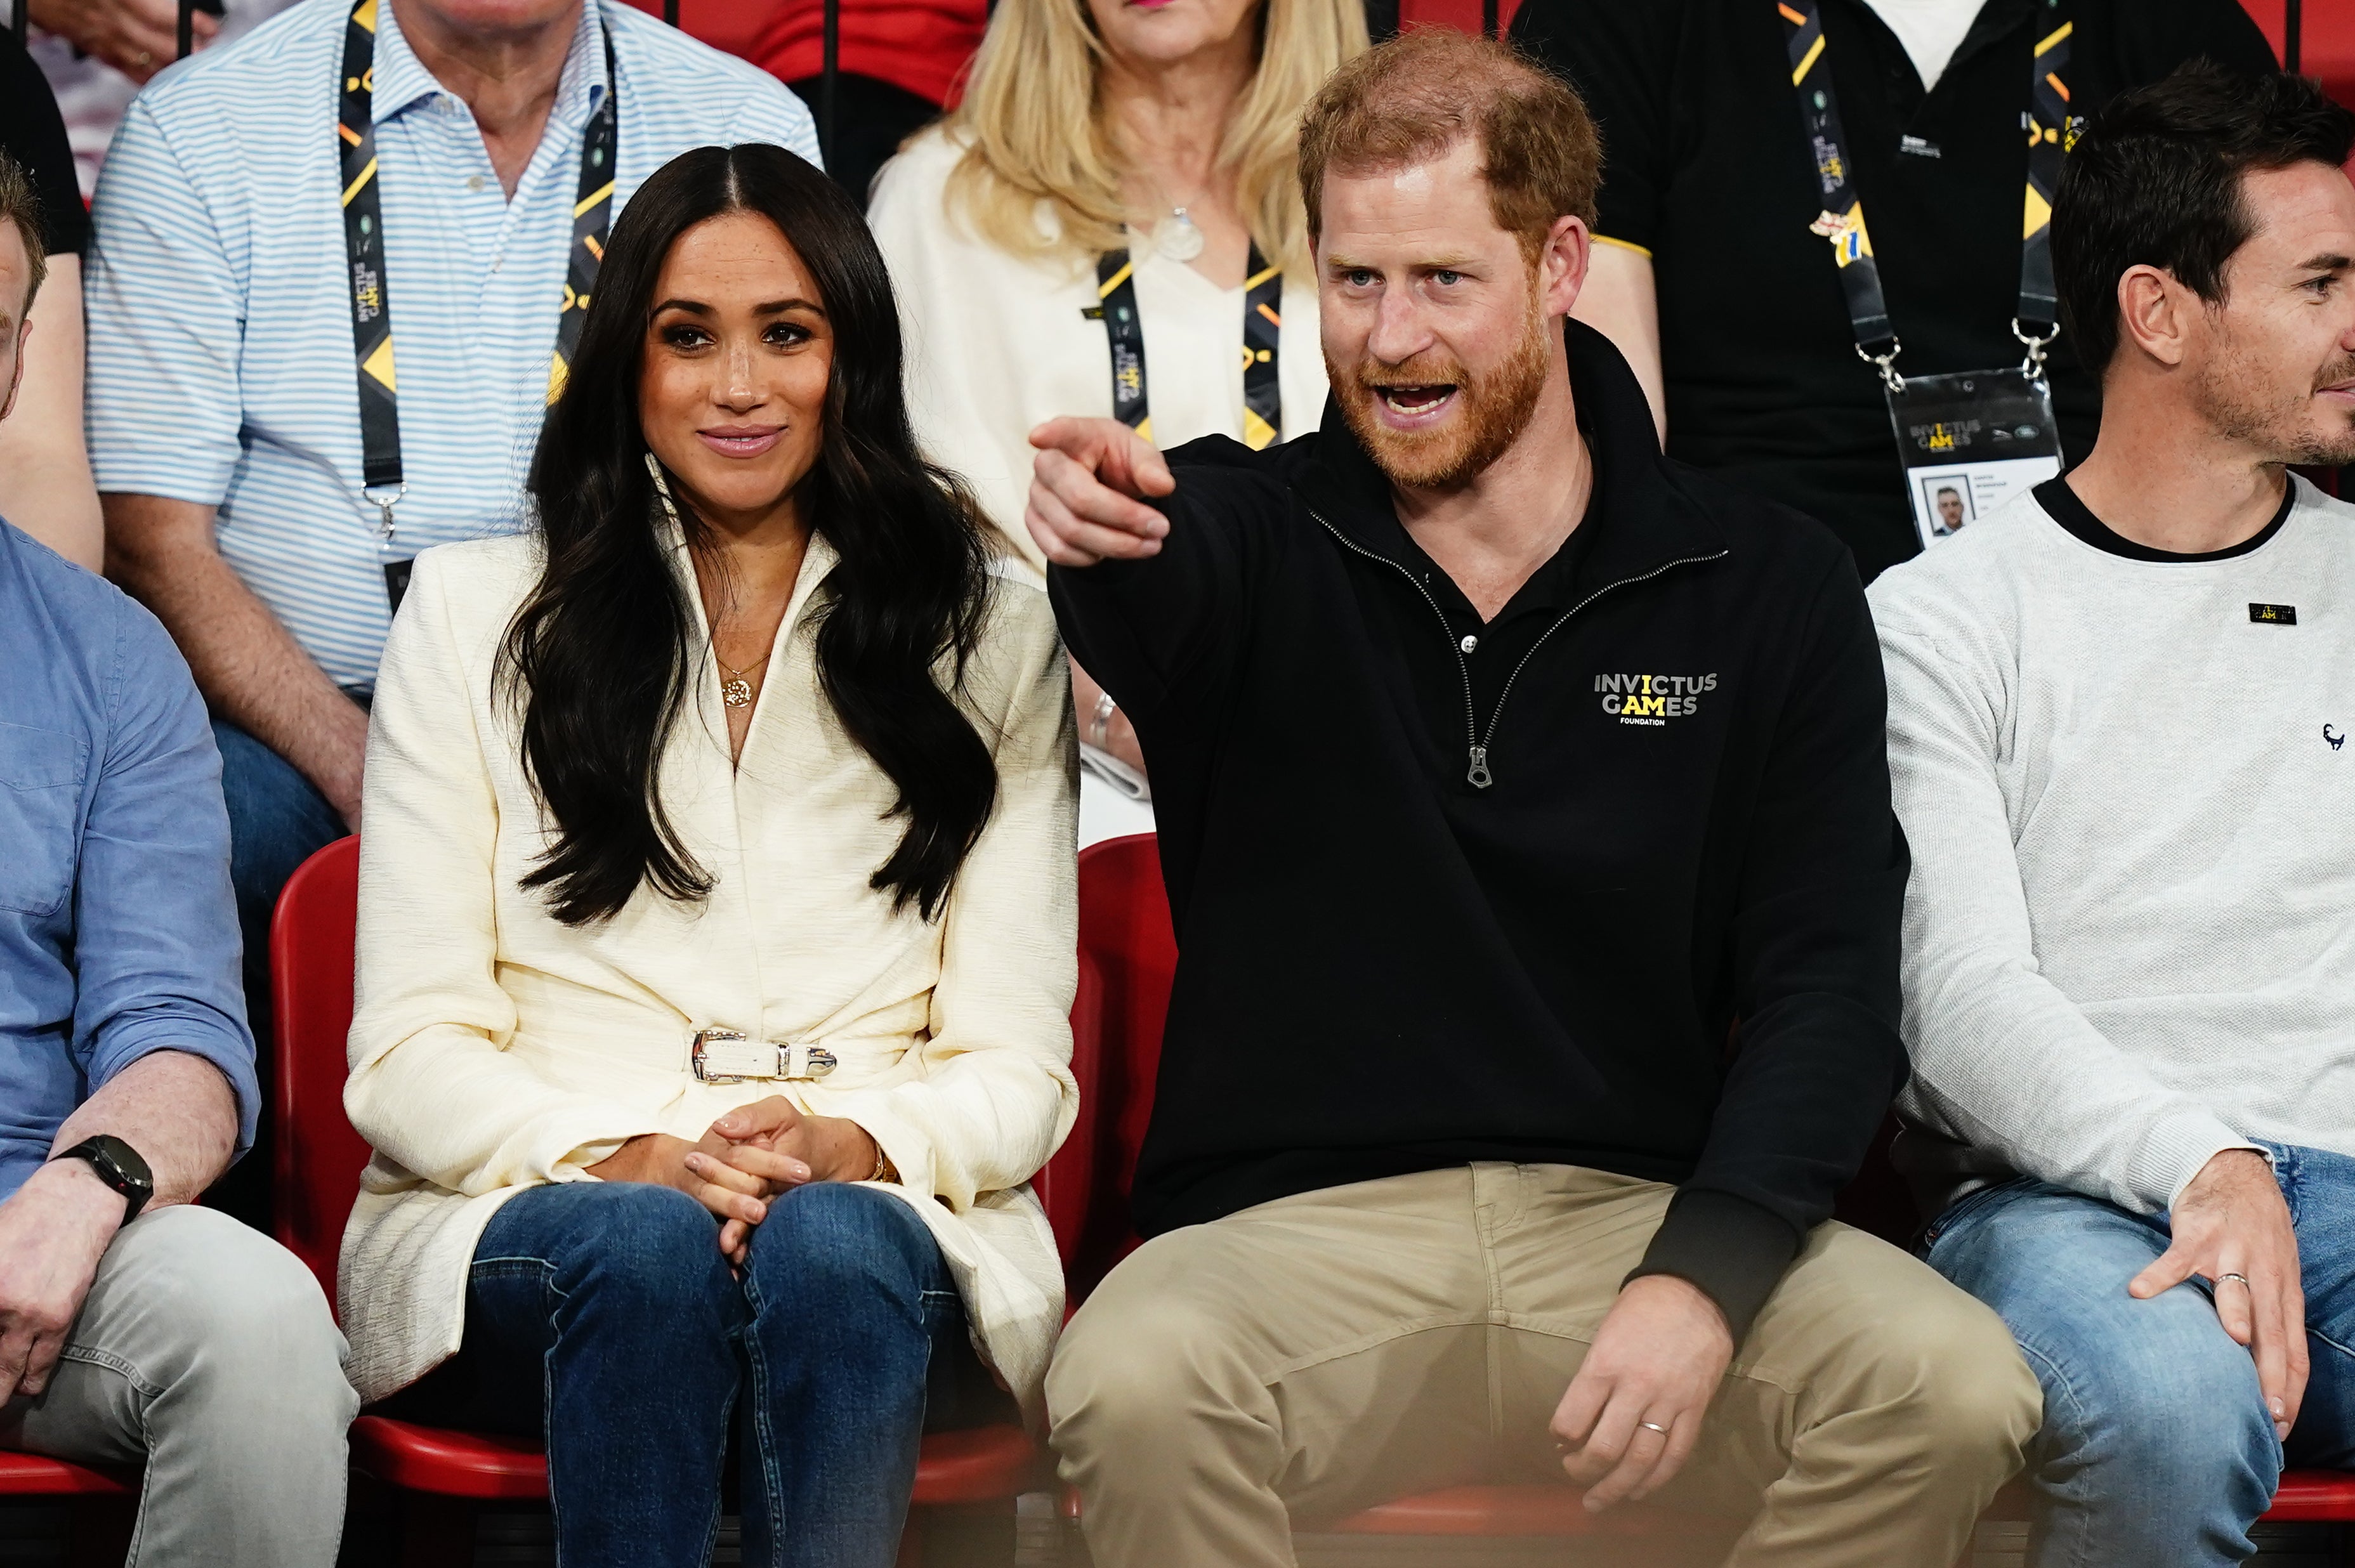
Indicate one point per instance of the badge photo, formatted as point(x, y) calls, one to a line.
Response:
point(1970, 441)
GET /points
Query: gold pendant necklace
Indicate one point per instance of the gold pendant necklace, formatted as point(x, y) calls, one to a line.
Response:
point(736, 691)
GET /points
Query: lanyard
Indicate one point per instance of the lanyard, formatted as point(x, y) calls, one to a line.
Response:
point(592, 215)
point(1115, 306)
point(2050, 131)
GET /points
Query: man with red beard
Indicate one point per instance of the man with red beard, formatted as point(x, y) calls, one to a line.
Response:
point(1527, 826)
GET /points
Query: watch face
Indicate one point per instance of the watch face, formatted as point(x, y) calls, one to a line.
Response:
point(118, 1164)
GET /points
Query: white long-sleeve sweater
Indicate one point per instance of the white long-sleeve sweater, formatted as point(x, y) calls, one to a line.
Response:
point(2130, 932)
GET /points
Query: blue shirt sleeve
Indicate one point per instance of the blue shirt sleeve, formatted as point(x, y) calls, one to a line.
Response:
point(167, 307)
point(156, 947)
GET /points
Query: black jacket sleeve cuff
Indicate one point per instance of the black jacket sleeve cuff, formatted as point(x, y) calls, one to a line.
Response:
point(1732, 1248)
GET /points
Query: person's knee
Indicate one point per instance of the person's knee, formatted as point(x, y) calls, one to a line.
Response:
point(837, 1241)
point(641, 1241)
point(253, 1329)
point(2182, 1413)
point(1134, 1365)
point(1952, 1385)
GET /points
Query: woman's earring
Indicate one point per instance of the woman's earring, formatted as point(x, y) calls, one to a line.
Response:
point(662, 486)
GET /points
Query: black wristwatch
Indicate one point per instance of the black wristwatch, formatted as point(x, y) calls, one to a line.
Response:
point(119, 1166)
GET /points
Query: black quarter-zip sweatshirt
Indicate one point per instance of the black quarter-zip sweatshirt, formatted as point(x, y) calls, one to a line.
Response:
point(1611, 881)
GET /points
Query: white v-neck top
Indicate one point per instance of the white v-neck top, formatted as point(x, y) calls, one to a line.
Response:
point(997, 343)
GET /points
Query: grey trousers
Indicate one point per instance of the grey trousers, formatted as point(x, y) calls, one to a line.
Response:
point(206, 1353)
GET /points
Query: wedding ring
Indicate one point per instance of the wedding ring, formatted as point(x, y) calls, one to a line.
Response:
point(2242, 1279)
point(1653, 1427)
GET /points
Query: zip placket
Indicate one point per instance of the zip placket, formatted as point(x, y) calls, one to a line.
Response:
point(1477, 741)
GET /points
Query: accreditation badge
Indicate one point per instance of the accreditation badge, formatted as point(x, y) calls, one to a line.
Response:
point(1970, 441)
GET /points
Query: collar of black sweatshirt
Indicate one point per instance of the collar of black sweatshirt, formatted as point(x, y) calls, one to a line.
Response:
point(1611, 881)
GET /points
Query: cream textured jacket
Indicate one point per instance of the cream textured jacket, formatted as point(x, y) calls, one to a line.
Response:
point(493, 1048)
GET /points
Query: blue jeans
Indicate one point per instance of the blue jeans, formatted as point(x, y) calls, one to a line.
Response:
point(2156, 1447)
point(601, 1316)
point(276, 821)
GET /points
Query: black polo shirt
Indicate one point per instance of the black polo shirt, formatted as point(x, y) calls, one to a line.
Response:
point(1707, 168)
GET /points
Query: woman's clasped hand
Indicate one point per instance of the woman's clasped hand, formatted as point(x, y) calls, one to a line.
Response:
point(746, 1157)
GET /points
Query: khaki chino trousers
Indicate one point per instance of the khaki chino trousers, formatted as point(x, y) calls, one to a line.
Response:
point(1322, 1353)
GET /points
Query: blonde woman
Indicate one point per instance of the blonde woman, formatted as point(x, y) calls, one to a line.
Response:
point(1110, 223)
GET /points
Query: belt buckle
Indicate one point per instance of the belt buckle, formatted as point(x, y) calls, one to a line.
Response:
point(806, 1062)
point(696, 1055)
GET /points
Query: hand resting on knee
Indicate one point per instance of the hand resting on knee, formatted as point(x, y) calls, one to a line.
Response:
point(745, 1159)
point(2232, 1226)
point(1631, 1415)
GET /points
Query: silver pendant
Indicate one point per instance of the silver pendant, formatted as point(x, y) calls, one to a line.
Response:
point(1179, 236)
point(737, 693)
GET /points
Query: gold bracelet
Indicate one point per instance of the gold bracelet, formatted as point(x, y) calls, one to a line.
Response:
point(884, 1169)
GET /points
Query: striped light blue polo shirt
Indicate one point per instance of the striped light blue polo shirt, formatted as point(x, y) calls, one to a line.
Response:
point(220, 339)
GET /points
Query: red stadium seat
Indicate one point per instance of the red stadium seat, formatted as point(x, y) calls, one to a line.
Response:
point(1524, 1511)
point(318, 1172)
point(103, 1503)
point(1127, 957)
point(2304, 1497)
point(35, 1476)
point(2314, 1497)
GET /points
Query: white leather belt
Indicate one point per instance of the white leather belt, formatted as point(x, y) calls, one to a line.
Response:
point(726, 1056)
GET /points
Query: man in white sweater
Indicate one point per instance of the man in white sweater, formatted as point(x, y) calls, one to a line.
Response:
point(2117, 722)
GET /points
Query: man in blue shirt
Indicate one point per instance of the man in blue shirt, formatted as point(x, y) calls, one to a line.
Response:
point(442, 173)
point(135, 1328)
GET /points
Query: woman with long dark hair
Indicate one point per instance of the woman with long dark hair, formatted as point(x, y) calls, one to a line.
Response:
point(715, 918)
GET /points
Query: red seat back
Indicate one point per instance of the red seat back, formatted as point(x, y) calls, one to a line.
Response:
point(1128, 955)
point(319, 1157)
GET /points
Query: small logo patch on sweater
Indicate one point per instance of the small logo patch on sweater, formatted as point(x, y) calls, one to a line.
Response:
point(2274, 615)
point(1653, 698)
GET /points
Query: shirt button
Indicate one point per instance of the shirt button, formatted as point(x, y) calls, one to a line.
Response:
point(1471, 645)
point(474, 182)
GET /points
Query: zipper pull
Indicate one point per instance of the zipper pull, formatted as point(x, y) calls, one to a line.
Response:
point(1479, 777)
